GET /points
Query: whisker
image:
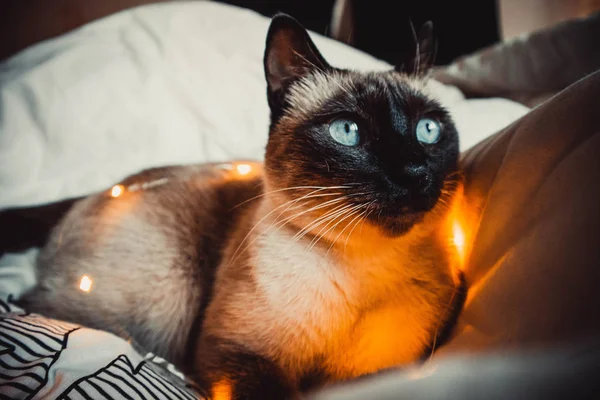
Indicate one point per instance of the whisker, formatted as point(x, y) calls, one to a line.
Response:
point(314, 208)
point(319, 221)
point(289, 188)
point(356, 212)
point(314, 196)
point(293, 204)
point(287, 220)
point(320, 236)
point(327, 218)
point(367, 216)
point(311, 226)
point(243, 241)
point(360, 212)
point(362, 215)
point(290, 202)
point(322, 218)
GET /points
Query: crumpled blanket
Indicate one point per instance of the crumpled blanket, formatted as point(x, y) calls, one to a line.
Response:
point(45, 358)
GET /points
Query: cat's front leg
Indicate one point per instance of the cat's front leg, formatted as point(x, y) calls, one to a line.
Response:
point(227, 370)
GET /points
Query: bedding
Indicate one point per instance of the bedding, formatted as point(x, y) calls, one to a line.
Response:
point(45, 358)
point(174, 83)
point(532, 67)
point(160, 84)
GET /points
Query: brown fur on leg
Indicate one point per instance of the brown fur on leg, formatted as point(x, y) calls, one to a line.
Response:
point(230, 371)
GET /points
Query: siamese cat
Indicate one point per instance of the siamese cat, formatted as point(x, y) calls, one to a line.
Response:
point(330, 261)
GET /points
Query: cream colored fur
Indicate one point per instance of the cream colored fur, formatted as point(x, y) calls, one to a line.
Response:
point(352, 306)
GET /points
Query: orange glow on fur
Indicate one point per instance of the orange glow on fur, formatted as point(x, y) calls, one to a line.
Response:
point(385, 339)
point(222, 390)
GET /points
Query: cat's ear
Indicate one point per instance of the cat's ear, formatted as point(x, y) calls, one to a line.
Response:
point(421, 55)
point(290, 54)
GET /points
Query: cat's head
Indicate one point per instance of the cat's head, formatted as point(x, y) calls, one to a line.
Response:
point(346, 145)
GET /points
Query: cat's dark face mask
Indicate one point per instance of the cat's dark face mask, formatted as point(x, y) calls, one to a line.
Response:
point(355, 146)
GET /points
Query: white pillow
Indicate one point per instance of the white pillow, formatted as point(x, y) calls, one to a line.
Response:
point(155, 85)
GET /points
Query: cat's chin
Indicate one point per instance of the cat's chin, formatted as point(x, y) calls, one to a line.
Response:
point(398, 225)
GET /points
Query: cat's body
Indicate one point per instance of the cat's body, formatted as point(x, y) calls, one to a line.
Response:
point(332, 261)
point(151, 255)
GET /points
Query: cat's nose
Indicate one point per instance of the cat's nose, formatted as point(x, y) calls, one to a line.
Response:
point(411, 174)
point(420, 176)
point(415, 170)
point(418, 173)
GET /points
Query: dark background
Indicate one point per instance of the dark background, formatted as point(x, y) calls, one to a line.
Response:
point(382, 28)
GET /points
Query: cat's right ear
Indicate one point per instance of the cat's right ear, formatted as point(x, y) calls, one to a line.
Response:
point(290, 54)
point(419, 58)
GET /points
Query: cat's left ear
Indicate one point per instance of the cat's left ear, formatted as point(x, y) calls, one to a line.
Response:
point(421, 56)
point(290, 54)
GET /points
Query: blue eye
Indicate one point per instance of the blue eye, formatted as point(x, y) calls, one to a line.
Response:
point(428, 131)
point(344, 131)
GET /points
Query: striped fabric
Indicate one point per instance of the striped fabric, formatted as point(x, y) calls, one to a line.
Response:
point(44, 358)
point(29, 346)
point(120, 379)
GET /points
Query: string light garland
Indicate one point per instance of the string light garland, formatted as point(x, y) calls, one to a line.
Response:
point(118, 190)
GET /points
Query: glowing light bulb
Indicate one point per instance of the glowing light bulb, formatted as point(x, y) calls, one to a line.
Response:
point(458, 237)
point(117, 190)
point(85, 284)
point(243, 169)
